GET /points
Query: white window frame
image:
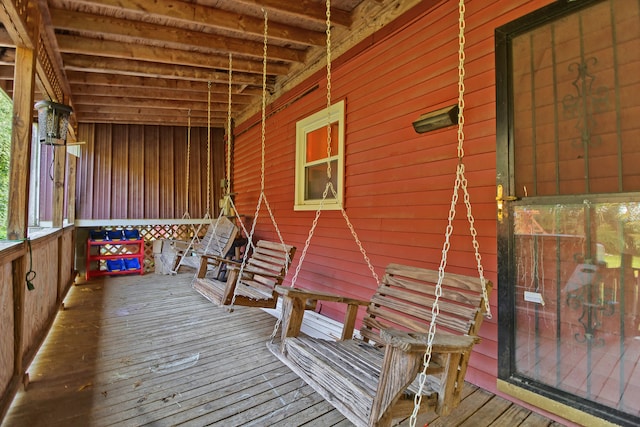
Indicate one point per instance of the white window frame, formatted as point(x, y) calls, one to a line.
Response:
point(303, 127)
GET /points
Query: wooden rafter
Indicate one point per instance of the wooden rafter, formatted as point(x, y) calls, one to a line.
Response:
point(138, 30)
point(218, 18)
point(158, 55)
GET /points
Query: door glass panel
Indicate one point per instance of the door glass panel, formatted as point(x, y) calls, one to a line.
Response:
point(577, 306)
point(576, 82)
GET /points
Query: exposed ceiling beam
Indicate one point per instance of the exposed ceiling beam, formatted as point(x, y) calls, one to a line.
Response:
point(87, 22)
point(217, 18)
point(122, 50)
point(146, 102)
point(102, 79)
point(142, 68)
point(148, 120)
point(307, 9)
point(153, 93)
point(148, 112)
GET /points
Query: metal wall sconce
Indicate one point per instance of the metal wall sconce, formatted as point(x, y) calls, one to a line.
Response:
point(53, 122)
point(438, 119)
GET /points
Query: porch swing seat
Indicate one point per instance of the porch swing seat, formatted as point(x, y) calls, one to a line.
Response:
point(264, 269)
point(373, 379)
point(217, 241)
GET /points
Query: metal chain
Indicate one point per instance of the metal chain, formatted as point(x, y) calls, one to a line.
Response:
point(262, 151)
point(328, 187)
point(303, 255)
point(328, 31)
point(264, 99)
point(229, 130)
point(186, 185)
point(460, 181)
point(208, 148)
point(186, 214)
point(263, 196)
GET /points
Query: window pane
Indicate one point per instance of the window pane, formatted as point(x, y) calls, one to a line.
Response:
point(316, 180)
point(317, 143)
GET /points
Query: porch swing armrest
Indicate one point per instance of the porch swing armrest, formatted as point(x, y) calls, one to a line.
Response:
point(296, 301)
point(222, 260)
point(318, 296)
point(403, 360)
point(417, 342)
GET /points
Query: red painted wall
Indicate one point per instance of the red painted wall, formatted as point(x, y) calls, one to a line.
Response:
point(398, 184)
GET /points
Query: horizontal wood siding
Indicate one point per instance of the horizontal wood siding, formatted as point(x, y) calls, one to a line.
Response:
point(67, 248)
point(398, 183)
point(135, 171)
point(40, 303)
point(6, 326)
point(26, 315)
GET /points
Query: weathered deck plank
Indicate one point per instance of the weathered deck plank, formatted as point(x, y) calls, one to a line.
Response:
point(132, 351)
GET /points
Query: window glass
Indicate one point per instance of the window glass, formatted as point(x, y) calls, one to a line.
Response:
point(312, 159)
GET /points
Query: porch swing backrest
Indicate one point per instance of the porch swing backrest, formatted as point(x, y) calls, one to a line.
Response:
point(217, 241)
point(250, 284)
point(405, 297)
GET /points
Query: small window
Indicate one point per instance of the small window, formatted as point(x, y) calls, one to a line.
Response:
point(312, 157)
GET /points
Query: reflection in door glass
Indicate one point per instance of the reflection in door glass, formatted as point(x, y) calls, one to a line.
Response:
point(577, 306)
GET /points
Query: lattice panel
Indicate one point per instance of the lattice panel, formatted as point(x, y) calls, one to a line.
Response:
point(47, 66)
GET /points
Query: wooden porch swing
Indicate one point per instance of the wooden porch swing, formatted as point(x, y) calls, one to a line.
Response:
point(399, 366)
point(251, 282)
point(221, 233)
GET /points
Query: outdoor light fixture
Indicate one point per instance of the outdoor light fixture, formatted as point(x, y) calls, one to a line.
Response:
point(53, 122)
point(443, 117)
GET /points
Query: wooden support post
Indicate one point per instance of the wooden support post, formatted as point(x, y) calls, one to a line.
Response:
point(24, 81)
point(60, 157)
point(71, 188)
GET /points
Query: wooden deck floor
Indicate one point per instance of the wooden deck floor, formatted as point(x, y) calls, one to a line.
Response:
point(133, 351)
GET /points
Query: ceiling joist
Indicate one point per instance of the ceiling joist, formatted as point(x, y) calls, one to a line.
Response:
point(150, 61)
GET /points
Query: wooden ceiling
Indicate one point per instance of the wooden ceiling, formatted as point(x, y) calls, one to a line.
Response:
point(157, 61)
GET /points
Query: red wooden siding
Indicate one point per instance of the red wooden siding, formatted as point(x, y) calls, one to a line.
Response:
point(398, 184)
point(134, 171)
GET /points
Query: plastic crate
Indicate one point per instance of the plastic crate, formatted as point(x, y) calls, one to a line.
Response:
point(98, 235)
point(116, 265)
point(132, 263)
point(132, 234)
point(115, 235)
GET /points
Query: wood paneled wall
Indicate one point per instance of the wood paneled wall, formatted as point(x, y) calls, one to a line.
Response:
point(6, 326)
point(136, 172)
point(398, 184)
point(26, 315)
